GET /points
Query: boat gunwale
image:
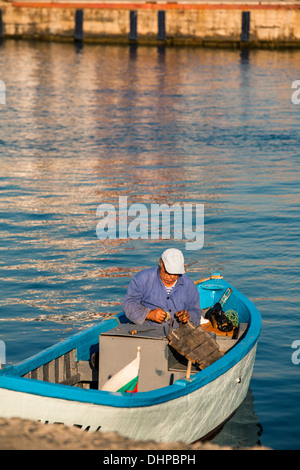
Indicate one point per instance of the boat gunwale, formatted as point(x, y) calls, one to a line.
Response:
point(10, 377)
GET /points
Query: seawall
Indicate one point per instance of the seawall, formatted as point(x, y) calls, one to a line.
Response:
point(227, 24)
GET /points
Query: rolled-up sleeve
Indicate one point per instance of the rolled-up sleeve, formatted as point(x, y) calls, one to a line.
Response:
point(132, 305)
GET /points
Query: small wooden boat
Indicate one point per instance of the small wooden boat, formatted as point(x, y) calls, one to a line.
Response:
point(63, 383)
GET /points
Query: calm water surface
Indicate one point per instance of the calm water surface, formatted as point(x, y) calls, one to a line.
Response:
point(82, 126)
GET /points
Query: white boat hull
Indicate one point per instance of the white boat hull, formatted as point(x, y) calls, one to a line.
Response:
point(187, 418)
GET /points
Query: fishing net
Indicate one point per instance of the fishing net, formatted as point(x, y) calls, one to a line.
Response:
point(233, 316)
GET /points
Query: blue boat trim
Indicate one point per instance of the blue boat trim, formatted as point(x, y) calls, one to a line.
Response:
point(11, 378)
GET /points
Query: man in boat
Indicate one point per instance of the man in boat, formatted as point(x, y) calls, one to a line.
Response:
point(156, 294)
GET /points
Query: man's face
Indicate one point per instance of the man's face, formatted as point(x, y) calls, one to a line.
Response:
point(167, 279)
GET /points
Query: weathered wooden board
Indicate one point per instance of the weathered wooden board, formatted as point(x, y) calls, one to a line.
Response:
point(195, 344)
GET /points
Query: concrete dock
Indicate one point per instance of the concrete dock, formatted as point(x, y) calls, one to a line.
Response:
point(234, 24)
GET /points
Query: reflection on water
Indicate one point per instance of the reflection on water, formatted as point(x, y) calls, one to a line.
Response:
point(83, 126)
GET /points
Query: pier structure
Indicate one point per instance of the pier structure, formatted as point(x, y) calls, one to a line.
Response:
point(248, 23)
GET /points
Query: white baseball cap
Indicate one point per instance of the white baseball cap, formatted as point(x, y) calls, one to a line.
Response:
point(173, 260)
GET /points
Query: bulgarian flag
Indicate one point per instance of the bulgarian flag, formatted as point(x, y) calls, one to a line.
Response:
point(126, 380)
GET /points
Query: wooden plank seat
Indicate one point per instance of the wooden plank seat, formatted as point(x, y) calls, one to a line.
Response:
point(66, 370)
point(226, 342)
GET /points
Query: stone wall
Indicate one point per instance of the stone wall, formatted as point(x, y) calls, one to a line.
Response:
point(228, 24)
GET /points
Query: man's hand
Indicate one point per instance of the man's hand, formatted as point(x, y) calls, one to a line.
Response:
point(157, 315)
point(182, 316)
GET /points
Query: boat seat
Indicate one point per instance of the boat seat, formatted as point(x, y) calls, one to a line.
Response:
point(226, 342)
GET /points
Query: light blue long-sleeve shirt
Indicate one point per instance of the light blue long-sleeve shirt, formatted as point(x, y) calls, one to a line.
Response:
point(146, 292)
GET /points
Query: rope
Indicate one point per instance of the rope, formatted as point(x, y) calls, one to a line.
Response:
point(213, 276)
point(109, 317)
